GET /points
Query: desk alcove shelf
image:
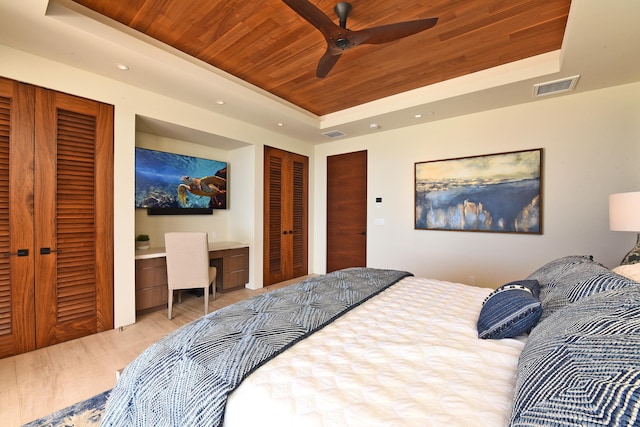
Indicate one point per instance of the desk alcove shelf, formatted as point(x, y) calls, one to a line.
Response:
point(230, 258)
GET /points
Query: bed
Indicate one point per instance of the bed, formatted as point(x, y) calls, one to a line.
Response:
point(371, 347)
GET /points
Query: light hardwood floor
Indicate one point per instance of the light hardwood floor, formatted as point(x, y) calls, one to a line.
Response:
point(43, 381)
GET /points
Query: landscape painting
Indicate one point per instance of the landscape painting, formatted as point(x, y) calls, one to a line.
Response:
point(491, 193)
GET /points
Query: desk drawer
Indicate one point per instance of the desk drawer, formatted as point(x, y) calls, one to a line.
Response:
point(236, 259)
point(151, 284)
point(148, 298)
point(235, 280)
point(151, 272)
point(235, 268)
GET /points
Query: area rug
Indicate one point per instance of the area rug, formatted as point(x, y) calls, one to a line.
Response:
point(87, 413)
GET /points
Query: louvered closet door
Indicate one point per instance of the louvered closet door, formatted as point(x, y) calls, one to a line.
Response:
point(17, 322)
point(273, 245)
point(285, 215)
point(73, 221)
point(299, 219)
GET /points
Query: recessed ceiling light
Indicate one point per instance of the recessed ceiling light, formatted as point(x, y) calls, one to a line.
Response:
point(281, 124)
point(417, 116)
point(220, 102)
point(374, 126)
point(122, 67)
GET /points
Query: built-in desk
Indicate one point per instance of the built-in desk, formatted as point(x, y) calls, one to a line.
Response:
point(230, 258)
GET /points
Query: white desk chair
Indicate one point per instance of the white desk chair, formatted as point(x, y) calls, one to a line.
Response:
point(188, 265)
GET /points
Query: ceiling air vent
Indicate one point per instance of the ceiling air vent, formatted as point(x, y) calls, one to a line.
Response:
point(556, 86)
point(333, 134)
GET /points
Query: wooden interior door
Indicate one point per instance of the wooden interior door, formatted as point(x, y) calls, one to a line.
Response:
point(74, 225)
point(346, 211)
point(17, 275)
point(286, 182)
point(56, 217)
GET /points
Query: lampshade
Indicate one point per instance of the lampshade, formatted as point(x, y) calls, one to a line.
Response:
point(624, 211)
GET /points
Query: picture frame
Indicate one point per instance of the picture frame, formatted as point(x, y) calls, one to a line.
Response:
point(498, 193)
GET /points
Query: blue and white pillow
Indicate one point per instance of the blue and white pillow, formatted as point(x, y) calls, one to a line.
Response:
point(581, 366)
point(552, 270)
point(569, 279)
point(511, 310)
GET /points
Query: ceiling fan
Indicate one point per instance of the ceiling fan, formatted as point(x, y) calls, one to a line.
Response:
point(339, 38)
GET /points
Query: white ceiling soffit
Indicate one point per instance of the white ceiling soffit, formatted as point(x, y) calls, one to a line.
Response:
point(183, 133)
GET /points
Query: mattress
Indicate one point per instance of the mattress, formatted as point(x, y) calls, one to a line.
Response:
point(410, 356)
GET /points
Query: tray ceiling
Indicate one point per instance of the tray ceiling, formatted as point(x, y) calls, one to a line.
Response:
point(268, 45)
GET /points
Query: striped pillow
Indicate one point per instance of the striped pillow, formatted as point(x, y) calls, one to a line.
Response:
point(510, 310)
point(579, 281)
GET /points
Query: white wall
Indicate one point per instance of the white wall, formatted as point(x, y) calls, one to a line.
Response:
point(245, 201)
point(591, 145)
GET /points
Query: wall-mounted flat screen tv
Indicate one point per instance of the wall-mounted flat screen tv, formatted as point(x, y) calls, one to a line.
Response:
point(174, 184)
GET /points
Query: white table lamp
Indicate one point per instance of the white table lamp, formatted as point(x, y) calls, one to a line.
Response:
point(624, 215)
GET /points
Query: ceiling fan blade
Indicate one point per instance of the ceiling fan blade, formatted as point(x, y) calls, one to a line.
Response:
point(339, 38)
point(391, 32)
point(313, 15)
point(327, 62)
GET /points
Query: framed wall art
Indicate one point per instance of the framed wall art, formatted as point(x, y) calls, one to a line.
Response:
point(492, 193)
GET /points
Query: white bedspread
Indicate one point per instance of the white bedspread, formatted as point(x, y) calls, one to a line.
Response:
point(408, 357)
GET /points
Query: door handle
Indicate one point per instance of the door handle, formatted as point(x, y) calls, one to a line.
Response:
point(20, 252)
point(46, 251)
point(363, 233)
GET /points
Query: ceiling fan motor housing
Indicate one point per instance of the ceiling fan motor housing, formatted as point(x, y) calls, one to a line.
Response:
point(342, 43)
point(342, 9)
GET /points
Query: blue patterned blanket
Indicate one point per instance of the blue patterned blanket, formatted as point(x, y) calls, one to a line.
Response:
point(184, 379)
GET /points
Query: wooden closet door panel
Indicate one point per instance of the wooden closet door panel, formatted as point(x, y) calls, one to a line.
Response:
point(285, 215)
point(74, 226)
point(17, 331)
point(104, 227)
point(299, 220)
point(273, 257)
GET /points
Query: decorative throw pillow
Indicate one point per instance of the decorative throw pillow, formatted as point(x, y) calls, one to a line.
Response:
point(581, 366)
point(510, 310)
point(531, 284)
point(579, 281)
point(550, 271)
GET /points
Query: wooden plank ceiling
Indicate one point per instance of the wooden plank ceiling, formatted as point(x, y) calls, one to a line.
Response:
point(267, 44)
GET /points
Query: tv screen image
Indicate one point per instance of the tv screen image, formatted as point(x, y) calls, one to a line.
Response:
point(176, 183)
